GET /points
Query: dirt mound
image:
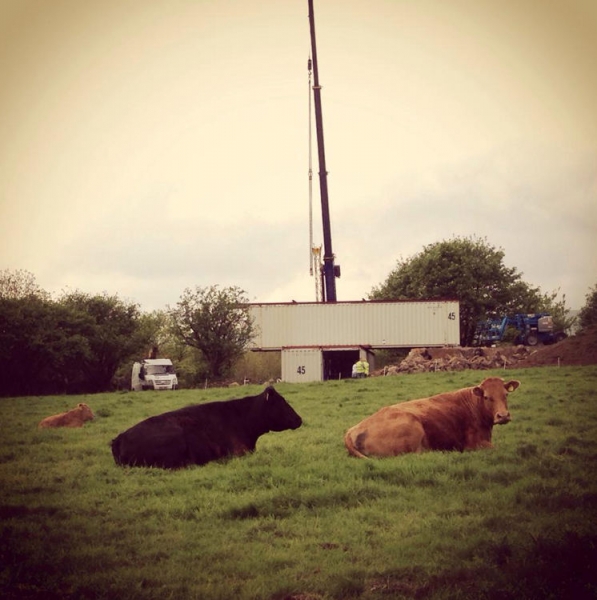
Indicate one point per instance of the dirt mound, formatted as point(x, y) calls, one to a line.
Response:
point(580, 349)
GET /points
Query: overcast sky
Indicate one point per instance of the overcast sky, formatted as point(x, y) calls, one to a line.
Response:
point(149, 146)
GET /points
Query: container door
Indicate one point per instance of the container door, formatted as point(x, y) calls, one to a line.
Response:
point(337, 364)
point(302, 365)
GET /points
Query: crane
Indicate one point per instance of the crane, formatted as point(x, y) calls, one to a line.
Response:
point(329, 270)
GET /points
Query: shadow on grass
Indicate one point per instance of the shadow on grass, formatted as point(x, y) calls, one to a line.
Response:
point(547, 569)
point(284, 505)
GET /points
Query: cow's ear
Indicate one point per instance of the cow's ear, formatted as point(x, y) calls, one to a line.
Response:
point(478, 391)
point(512, 385)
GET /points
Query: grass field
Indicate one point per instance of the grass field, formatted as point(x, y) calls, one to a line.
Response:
point(299, 518)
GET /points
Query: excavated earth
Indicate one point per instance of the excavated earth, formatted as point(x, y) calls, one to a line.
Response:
point(580, 349)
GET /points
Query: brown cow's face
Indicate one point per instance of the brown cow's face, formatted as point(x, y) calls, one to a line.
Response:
point(85, 411)
point(494, 392)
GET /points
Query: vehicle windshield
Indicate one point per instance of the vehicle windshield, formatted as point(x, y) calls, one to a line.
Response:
point(159, 369)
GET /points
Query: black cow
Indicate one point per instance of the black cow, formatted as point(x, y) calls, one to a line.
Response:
point(197, 434)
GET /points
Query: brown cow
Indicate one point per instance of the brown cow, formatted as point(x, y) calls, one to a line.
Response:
point(460, 420)
point(72, 418)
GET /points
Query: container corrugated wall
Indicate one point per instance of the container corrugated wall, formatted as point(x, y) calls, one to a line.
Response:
point(375, 324)
point(302, 365)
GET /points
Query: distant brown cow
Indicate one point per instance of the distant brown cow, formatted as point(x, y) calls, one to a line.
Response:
point(72, 418)
point(460, 420)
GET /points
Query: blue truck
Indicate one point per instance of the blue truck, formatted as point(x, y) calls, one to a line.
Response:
point(530, 330)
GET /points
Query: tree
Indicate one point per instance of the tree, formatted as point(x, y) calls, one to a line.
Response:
point(40, 347)
point(114, 333)
point(588, 313)
point(216, 322)
point(73, 344)
point(562, 320)
point(19, 284)
point(469, 270)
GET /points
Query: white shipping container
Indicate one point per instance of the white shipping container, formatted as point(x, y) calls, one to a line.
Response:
point(302, 365)
point(365, 324)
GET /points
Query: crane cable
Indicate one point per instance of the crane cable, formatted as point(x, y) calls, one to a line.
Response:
point(309, 64)
point(314, 252)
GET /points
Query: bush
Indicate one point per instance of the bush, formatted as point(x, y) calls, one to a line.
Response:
point(588, 313)
point(258, 367)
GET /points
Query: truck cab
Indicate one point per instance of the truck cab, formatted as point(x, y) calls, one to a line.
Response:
point(153, 374)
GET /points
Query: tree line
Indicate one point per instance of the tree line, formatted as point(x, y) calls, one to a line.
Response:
point(83, 343)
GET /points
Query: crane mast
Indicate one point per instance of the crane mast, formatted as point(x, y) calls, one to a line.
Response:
point(315, 266)
point(330, 271)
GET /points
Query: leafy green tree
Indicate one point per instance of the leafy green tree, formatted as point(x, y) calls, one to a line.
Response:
point(523, 298)
point(529, 300)
point(40, 346)
point(112, 328)
point(469, 270)
point(588, 313)
point(216, 322)
point(556, 307)
point(70, 345)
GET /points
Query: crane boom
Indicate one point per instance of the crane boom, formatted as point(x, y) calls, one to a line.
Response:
point(329, 270)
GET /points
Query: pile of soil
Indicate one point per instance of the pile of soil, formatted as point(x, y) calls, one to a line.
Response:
point(580, 349)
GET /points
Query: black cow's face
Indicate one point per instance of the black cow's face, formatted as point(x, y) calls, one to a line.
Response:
point(279, 414)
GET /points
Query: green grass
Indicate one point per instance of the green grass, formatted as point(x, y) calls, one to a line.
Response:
point(299, 518)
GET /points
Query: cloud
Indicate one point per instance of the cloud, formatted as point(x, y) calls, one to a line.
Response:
point(536, 205)
point(146, 148)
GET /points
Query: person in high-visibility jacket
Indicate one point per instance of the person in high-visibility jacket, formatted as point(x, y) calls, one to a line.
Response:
point(360, 369)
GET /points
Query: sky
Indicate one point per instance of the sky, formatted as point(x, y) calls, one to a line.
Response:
point(147, 147)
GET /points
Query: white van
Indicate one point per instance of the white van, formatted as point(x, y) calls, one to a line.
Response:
point(153, 374)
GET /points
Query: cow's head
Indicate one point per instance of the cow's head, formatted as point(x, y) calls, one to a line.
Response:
point(494, 392)
point(279, 414)
point(85, 412)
